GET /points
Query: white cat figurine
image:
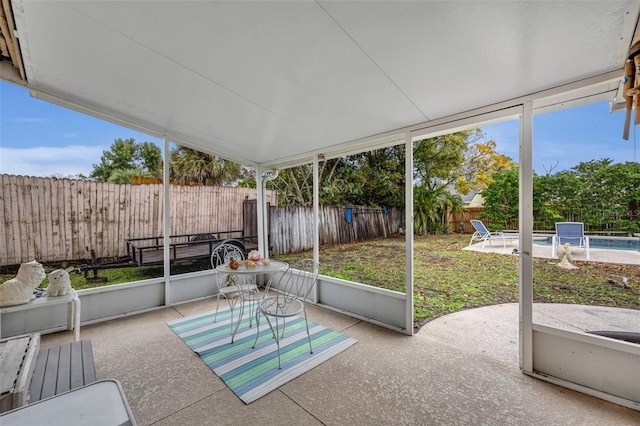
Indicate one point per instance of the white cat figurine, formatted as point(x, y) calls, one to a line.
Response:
point(59, 283)
point(19, 290)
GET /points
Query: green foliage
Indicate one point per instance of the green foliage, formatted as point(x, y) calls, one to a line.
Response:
point(381, 175)
point(501, 199)
point(481, 163)
point(439, 160)
point(126, 158)
point(247, 178)
point(126, 154)
point(599, 193)
point(432, 208)
point(123, 176)
point(374, 178)
point(377, 178)
point(189, 165)
point(151, 158)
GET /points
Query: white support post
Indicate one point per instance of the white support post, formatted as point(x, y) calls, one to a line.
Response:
point(262, 244)
point(408, 204)
point(262, 177)
point(166, 224)
point(526, 240)
point(316, 218)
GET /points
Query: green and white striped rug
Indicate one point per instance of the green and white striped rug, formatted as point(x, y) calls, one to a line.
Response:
point(252, 373)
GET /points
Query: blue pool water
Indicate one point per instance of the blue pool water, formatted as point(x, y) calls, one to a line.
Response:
point(611, 243)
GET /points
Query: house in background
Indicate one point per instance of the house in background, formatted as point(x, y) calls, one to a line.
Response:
point(473, 206)
point(473, 199)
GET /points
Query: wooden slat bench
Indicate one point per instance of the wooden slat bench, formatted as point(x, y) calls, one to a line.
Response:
point(62, 368)
point(17, 360)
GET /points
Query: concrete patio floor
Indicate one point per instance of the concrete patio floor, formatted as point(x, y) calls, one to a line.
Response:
point(458, 369)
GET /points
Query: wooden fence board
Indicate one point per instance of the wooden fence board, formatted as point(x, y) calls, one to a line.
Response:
point(65, 215)
point(24, 200)
point(13, 226)
point(57, 224)
point(4, 238)
point(31, 198)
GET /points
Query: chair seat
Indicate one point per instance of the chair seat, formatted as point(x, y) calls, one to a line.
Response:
point(270, 306)
point(235, 289)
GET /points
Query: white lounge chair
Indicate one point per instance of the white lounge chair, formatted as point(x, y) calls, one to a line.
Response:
point(484, 235)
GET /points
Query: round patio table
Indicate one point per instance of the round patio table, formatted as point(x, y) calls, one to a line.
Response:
point(248, 293)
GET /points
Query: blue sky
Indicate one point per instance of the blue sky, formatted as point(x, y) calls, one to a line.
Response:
point(38, 138)
point(562, 139)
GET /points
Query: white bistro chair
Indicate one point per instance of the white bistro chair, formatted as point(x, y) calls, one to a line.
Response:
point(231, 287)
point(292, 292)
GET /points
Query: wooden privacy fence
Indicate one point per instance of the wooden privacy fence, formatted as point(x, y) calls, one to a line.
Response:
point(51, 219)
point(459, 222)
point(291, 228)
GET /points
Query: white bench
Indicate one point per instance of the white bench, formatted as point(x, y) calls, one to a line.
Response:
point(29, 374)
point(62, 368)
point(73, 310)
point(17, 361)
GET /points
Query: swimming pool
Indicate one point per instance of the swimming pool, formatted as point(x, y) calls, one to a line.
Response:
point(611, 243)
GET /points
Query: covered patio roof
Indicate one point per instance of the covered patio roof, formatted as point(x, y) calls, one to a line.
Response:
point(272, 83)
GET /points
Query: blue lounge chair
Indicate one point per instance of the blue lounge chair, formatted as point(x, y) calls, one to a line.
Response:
point(571, 233)
point(484, 235)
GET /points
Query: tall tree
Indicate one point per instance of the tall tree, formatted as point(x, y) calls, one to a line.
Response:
point(501, 199)
point(151, 158)
point(194, 166)
point(438, 161)
point(126, 154)
point(481, 163)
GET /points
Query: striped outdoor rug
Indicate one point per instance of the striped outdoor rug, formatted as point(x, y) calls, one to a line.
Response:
point(252, 373)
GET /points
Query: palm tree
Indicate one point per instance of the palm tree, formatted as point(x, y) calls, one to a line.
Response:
point(193, 166)
point(432, 208)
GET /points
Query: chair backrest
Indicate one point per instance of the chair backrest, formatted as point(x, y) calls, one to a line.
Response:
point(221, 255)
point(226, 251)
point(298, 281)
point(482, 230)
point(570, 232)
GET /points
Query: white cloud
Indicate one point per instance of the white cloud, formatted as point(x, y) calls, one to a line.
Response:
point(30, 120)
point(46, 161)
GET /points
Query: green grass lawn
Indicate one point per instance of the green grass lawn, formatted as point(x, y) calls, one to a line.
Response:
point(447, 279)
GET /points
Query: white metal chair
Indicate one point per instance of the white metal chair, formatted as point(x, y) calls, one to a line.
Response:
point(292, 292)
point(571, 233)
point(226, 284)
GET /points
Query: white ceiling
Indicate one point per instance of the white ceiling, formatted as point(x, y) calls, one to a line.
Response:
point(263, 82)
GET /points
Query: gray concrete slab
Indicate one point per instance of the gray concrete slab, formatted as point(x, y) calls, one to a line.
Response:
point(492, 331)
point(459, 369)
